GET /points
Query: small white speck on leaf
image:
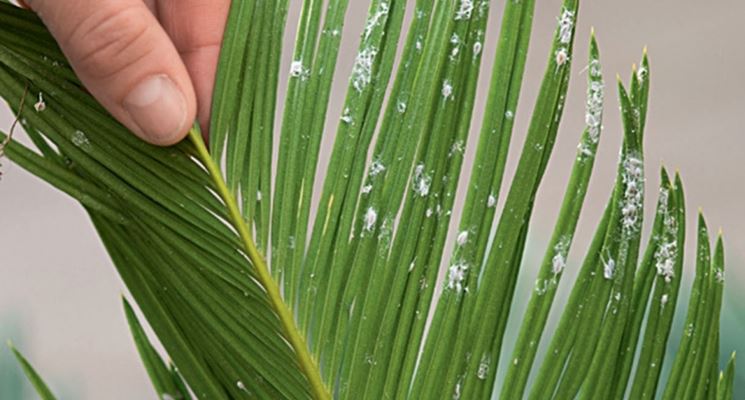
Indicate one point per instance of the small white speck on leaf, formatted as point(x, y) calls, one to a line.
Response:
point(447, 89)
point(462, 238)
point(40, 104)
point(297, 70)
point(371, 216)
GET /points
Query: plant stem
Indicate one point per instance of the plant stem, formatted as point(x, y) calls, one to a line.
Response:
point(306, 361)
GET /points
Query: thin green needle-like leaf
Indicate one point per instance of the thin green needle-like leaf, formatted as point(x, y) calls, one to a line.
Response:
point(705, 353)
point(678, 380)
point(725, 387)
point(41, 388)
point(556, 255)
point(600, 380)
point(486, 308)
point(160, 374)
point(665, 254)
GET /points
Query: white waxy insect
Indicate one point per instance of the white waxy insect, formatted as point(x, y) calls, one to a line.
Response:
point(40, 104)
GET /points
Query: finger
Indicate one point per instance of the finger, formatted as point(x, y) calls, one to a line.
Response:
point(196, 28)
point(127, 61)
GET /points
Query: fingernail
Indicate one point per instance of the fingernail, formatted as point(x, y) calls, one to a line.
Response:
point(158, 108)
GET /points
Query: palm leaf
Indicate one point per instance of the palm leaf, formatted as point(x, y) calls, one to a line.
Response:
point(254, 296)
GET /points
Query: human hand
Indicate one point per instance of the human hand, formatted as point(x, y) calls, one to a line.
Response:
point(150, 63)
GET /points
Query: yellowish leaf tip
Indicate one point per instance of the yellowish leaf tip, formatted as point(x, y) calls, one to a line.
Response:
point(633, 67)
point(644, 51)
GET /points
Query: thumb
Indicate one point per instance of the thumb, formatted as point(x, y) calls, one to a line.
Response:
point(127, 61)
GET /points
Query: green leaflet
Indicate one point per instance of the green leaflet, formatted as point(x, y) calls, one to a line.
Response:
point(557, 252)
point(662, 266)
point(726, 380)
point(41, 388)
point(479, 337)
point(165, 380)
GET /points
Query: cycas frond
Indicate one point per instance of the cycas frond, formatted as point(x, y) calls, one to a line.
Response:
point(251, 300)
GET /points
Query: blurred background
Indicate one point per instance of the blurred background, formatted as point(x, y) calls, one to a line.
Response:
point(60, 296)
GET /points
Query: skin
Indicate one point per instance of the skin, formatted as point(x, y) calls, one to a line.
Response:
point(118, 48)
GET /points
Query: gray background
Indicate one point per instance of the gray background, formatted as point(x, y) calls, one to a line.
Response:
point(60, 297)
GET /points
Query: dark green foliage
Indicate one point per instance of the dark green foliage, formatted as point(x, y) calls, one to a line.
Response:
point(253, 296)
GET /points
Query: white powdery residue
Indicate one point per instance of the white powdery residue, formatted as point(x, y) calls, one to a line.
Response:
point(447, 89)
point(665, 260)
point(376, 167)
point(401, 107)
point(667, 250)
point(561, 57)
point(258, 195)
point(454, 53)
point(456, 42)
point(167, 396)
point(457, 148)
point(609, 268)
point(641, 73)
point(483, 367)
point(633, 179)
point(477, 49)
point(559, 260)
point(79, 139)
point(40, 104)
point(719, 276)
point(541, 286)
point(594, 68)
point(491, 201)
point(594, 109)
point(421, 181)
point(375, 19)
point(456, 392)
point(428, 213)
point(346, 117)
point(465, 9)
point(509, 114)
point(462, 238)
point(663, 300)
point(457, 276)
point(566, 26)
point(362, 71)
point(368, 223)
point(240, 385)
point(298, 70)
point(593, 116)
point(366, 189)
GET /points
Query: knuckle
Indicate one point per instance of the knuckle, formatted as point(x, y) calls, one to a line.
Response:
point(109, 40)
